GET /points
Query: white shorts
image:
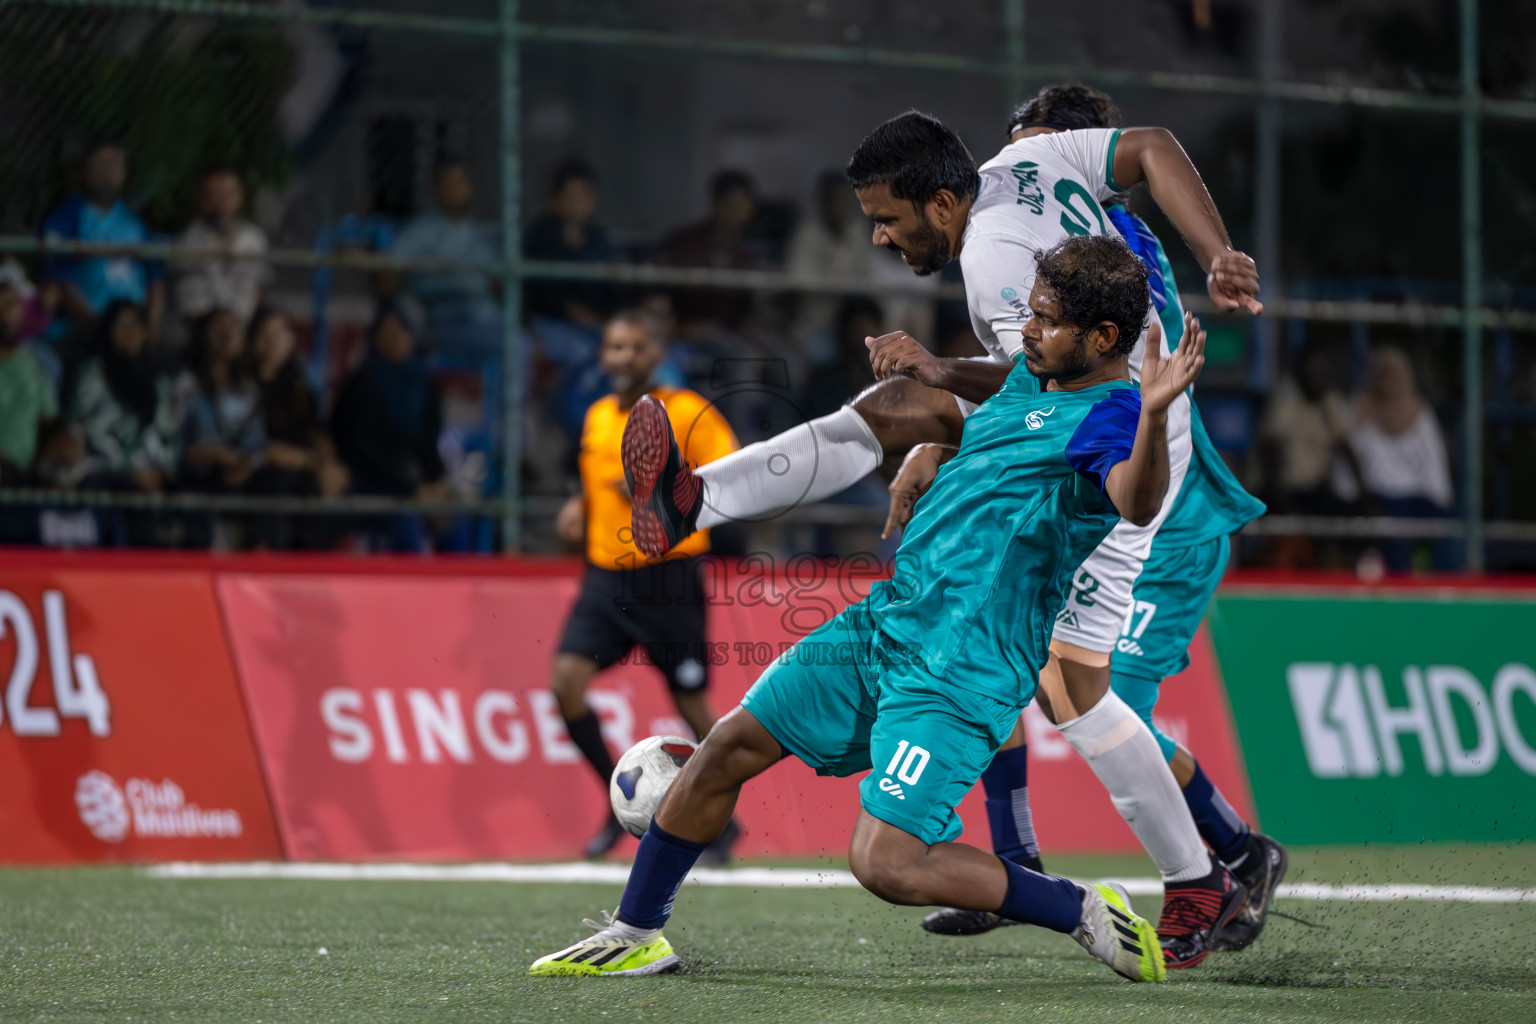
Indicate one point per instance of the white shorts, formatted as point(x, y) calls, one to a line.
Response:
point(1100, 600)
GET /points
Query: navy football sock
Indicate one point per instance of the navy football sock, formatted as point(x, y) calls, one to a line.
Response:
point(1006, 782)
point(1221, 828)
point(1045, 900)
point(661, 864)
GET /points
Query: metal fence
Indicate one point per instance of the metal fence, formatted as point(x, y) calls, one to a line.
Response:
point(82, 67)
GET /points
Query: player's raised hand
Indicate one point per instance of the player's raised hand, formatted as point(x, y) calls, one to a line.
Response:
point(899, 354)
point(1233, 283)
point(1163, 380)
point(912, 481)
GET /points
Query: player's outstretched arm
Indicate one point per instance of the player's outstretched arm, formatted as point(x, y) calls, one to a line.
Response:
point(1137, 485)
point(1153, 155)
point(900, 354)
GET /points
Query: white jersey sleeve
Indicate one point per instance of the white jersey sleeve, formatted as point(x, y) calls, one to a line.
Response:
point(1091, 153)
point(999, 274)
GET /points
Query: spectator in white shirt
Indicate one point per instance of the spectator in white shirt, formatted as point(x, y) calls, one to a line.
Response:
point(1400, 454)
point(228, 269)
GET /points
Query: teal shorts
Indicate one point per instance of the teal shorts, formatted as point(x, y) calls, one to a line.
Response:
point(1168, 604)
point(848, 699)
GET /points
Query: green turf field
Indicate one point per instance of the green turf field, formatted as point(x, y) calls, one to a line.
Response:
point(115, 945)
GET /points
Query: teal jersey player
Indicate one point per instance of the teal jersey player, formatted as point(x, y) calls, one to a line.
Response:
point(922, 682)
point(1166, 601)
point(977, 562)
point(1169, 598)
point(992, 545)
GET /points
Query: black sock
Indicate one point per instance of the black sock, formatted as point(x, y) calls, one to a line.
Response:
point(587, 734)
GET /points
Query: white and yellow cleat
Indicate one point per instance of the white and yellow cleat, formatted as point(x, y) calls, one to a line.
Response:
point(616, 951)
point(1111, 932)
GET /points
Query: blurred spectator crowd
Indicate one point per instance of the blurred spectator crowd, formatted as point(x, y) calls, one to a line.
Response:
point(129, 375)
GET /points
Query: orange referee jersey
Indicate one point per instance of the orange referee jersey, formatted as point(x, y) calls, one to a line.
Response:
point(703, 435)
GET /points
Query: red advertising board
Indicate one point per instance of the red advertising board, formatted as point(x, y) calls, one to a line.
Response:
point(411, 717)
point(408, 716)
point(122, 732)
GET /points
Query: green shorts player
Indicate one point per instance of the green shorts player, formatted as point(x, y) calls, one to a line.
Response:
point(922, 682)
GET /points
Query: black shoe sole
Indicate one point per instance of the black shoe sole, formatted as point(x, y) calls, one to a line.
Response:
point(968, 922)
point(646, 449)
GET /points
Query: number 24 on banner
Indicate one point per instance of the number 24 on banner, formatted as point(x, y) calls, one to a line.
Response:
point(76, 690)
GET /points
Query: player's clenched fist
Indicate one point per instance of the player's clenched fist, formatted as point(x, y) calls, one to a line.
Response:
point(1233, 282)
point(899, 354)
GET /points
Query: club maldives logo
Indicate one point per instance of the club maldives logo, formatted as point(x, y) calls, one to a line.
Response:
point(1349, 728)
point(147, 810)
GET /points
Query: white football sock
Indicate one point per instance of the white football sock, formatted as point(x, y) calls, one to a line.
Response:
point(1122, 752)
point(804, 464)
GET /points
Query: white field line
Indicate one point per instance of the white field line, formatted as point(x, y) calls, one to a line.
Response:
point(760, 878)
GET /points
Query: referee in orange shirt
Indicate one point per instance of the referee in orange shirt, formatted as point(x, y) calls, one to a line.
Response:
point(628, 600)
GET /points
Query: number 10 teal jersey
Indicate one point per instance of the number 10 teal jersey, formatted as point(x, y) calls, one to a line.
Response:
point(987, 560)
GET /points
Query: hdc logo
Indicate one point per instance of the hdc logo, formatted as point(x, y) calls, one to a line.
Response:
point(1349, 729)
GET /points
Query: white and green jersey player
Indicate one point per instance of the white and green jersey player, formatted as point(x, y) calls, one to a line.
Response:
point(915, 179)
point(1188, 558)
point(1178, 578)
point(1035, 189)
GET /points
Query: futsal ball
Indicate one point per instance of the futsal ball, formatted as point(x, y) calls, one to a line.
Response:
point(642, 778)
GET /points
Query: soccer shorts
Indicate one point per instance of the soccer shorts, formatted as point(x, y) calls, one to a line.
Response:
point(659, 607)
point(848, 699)
point(1170, 600)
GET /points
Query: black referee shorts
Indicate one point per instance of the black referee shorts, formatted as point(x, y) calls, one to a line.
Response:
point(659, 607)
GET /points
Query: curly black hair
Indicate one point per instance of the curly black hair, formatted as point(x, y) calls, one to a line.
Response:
point(1097, 278)
point(917, 156)
point(1066, 106)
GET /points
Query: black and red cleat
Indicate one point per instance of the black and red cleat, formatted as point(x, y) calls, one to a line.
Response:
point(1261, 869)
point(1194, 914)
point(665, 496)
